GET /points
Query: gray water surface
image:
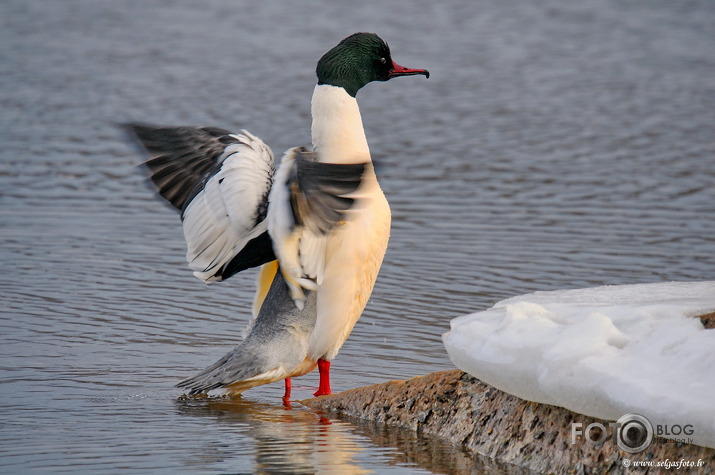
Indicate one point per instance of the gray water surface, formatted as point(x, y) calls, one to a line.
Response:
point(556, 145)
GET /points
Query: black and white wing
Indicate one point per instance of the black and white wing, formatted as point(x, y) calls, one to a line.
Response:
point(220, 183)
point(308, 201)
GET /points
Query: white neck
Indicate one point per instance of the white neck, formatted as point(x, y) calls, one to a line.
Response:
point(337, 131)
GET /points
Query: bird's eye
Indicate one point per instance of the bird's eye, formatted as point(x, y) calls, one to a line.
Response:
point(383, 60)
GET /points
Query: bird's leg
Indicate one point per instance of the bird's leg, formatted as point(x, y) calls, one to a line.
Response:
point(286, 395)
point(324, 386)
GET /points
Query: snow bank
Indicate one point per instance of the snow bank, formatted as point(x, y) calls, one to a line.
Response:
point(603, 352)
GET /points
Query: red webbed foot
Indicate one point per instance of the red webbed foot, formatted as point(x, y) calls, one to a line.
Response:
point(324, 386)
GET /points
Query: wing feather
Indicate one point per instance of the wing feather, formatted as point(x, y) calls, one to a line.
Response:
point(182, 158)
point(220, 182)
point(308, 201)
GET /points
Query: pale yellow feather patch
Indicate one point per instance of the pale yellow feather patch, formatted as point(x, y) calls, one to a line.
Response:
point(271, 376)
point(265, 279)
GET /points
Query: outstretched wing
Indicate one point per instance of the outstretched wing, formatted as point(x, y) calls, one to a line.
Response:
point(308, 201)
point(220, 182)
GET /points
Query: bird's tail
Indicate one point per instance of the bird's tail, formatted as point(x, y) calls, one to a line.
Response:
point(275, 348)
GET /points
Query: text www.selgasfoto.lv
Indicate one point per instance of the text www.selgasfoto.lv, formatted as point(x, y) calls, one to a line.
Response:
point(666, 464)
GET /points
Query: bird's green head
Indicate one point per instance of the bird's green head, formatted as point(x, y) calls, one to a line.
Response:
point(359, 59)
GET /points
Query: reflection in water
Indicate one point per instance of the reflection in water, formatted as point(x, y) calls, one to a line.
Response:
point(296, 440)
point(287, 440)
point(430, 453)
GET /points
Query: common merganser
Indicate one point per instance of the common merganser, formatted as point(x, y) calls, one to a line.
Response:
point(321, 219)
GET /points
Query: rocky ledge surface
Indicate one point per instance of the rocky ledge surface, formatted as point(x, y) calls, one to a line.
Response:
point(459, 408)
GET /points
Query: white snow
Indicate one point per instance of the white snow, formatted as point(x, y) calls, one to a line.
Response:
point(603, 352)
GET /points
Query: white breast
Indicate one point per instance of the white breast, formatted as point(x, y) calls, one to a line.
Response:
point(354, 255)
point(354, 250)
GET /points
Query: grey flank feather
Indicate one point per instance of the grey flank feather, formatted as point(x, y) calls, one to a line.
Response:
point(279, 337)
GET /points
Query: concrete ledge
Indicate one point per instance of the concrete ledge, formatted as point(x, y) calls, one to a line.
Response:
point(456, 407)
